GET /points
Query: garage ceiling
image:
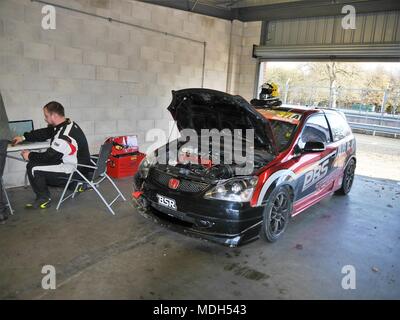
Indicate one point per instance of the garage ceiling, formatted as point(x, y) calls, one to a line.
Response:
point(261, 10)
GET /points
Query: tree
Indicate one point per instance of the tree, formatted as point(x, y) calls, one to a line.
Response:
point(334, 74)
point(337, 84)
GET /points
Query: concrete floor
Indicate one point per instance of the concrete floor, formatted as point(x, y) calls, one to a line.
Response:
point(378, 157)
point(98, 256)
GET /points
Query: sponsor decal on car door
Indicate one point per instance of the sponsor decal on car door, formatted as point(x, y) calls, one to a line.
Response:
point(317, 178)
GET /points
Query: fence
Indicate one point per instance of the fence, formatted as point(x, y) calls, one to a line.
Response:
point(378, 101)
point(360, 105)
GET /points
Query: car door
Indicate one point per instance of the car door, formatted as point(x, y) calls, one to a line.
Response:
point(313, 169)
point(344, 142)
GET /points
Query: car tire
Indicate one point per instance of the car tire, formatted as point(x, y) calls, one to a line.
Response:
point(277, 213)
point(348, 178)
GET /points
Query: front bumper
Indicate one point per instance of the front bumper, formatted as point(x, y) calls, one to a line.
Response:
point(228, 223)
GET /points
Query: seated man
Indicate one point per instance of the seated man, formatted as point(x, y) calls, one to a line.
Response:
point(68, 146)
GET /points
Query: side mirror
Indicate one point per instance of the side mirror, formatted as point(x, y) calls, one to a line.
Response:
point(314, 146)
point(297, 151)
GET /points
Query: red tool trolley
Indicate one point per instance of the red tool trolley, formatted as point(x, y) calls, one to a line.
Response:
point(125, 157)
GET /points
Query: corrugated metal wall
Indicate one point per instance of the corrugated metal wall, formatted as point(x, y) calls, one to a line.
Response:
point(377, 28)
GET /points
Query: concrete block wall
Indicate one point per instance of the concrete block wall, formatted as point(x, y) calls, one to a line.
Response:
point(248, 65)
point(112, 78)
point(236, 45)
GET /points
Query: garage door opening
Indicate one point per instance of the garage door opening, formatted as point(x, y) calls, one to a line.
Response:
point(360, 86)
point(367, 93)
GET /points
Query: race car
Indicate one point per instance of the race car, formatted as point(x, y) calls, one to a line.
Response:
point(296, 157)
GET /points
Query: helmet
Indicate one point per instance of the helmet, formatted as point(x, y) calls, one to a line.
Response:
point(269, 90)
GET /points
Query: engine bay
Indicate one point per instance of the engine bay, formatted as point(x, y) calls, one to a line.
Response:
point(214, 165)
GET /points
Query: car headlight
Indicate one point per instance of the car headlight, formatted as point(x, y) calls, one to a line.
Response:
point(149, 161)
point(236, 190)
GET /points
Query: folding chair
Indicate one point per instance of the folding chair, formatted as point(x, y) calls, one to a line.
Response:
point(7, 198)
point(99, 175)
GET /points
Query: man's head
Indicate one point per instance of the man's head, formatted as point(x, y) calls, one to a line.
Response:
point(54, 113)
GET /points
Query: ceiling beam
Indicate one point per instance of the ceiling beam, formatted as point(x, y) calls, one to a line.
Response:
point(191, 5)
point(278, 11)
point(303, 9)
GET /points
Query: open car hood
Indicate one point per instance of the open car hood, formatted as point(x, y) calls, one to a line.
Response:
point(210, 109)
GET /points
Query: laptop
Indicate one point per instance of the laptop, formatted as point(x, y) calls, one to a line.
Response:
point(18, 128)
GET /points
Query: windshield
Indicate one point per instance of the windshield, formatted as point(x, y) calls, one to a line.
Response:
point(283, 132)
point(284, 123)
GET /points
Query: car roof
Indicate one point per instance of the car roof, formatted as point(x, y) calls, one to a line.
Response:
point(303, 110)
point(300, 109)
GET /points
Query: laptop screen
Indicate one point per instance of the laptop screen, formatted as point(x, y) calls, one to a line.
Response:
point(18, 128)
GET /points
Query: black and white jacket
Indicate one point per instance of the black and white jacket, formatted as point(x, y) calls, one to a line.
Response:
point(68, 147)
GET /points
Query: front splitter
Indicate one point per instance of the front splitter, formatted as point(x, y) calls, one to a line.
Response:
point(183, 227)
